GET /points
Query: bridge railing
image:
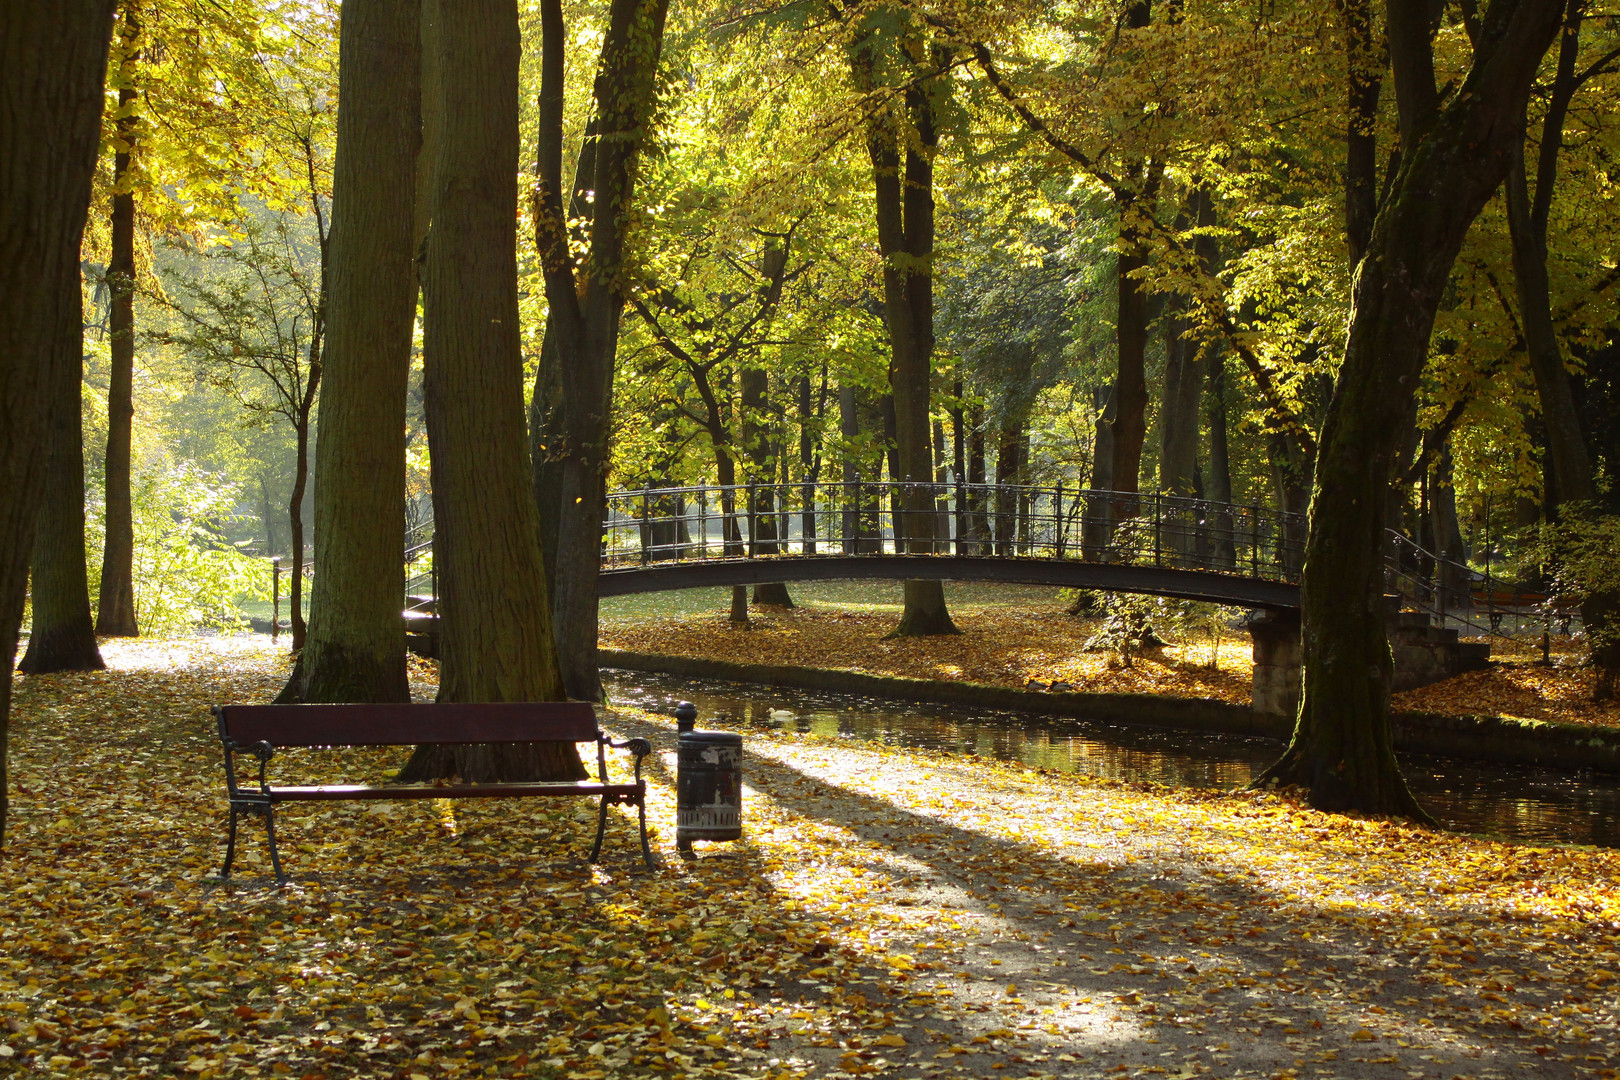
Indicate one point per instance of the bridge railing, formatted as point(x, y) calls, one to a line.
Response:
point(1005, 520)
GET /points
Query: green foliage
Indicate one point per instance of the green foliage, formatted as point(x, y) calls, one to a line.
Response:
point(1581, 552)
point(187, 573)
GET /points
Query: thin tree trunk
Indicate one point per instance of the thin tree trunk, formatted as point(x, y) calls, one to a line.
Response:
point(355, 649)
point(1009, 475)
point(495, 638)
point(1573, 479)
point(762, 503)
point(586, 313)
point(1097, 526)
point(978, 522)
point(1342, 748)
point(295, 527)
point(63, 637)
point(1223, 546)
point(905, 226)
point(53, 60)
point(809, 462)
point(115, 615)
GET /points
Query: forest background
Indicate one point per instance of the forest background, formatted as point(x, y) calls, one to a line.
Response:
point(1136, 226)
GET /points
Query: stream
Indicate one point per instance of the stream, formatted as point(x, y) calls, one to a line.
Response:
point(1511, 802)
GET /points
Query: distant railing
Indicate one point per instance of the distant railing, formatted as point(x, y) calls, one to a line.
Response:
point(1004, 520)
point(763, 521)
point(1456, 594)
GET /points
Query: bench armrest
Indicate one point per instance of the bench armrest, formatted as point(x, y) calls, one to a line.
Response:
point(261, 750)
point(638, 746)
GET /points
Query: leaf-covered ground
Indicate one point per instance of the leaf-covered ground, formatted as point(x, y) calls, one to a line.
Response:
point(889, 913)
point(1521, 686)
point(1011, 635)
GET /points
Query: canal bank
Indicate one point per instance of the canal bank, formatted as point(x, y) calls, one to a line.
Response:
point(1497, 739)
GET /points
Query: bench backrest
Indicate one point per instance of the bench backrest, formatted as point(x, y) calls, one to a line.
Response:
point(399, 725)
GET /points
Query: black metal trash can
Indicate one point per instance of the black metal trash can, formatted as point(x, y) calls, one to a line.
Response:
point(708, 787)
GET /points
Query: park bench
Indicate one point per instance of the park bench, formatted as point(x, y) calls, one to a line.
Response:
point(261, 730)
point(1521, 603)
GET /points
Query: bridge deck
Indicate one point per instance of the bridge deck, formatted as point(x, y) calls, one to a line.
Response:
point(1205, 585)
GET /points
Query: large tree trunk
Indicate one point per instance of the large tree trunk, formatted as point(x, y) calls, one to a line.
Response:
point(115, 614)
point(495, 632)
point(905, 227)
point(63, 637)
point(585, 303)
point(1178, 525)
point(1456, 156)
point(53, 60)
point(355, 649)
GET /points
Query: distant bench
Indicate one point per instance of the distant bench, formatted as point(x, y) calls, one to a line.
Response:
point(261, 730)
point(1500, 602)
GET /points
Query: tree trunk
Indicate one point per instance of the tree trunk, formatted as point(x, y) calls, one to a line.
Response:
point(761, 494)
point(1178, 416)
point(495, 639)
point(905, 227)
point(63, 637)
point(1097, 525)
point(1223, 544)
point(1573, 480)
point(1128, 429)
point(978, 523)
point(809, 460)
point(1457, 155)
point(53, 60)
point(115, 614)
point(585, 312)
point(1291, 484)
point(295, 527)
point(1009, 476)
point(355, 649)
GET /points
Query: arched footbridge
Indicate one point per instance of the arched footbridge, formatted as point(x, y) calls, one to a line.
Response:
point(669, 538)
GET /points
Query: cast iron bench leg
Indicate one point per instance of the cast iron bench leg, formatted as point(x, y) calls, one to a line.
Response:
point(601, 829)
point(230, 845)
point(646, 852)
point(270, 831)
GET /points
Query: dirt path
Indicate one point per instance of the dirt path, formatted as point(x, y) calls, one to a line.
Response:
point(1033, 924)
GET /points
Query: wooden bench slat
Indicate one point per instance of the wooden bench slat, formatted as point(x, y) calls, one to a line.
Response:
point(395, 725)
point(444, 791)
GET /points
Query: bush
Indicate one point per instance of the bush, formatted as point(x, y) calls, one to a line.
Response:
point(187, 575)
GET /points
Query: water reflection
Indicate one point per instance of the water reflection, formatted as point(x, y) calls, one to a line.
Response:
point(1535, 805)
